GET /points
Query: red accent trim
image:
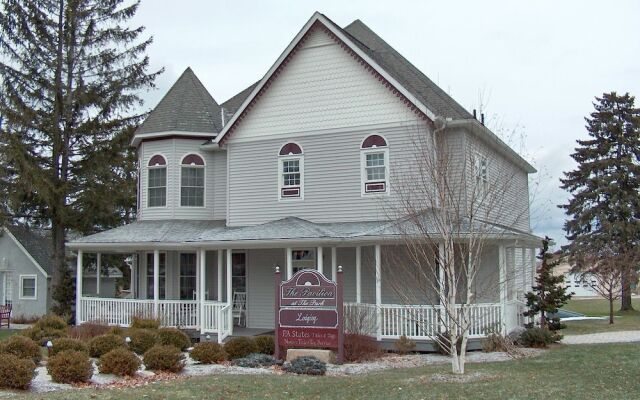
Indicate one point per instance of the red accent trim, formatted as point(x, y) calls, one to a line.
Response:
point(192, 159)
point(374, 140)
point(375, 187)
point(290, 148)
point(157, 160)
point(290, 192)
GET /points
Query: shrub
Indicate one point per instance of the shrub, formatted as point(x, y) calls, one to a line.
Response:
point(265, 344)
point(443, 343)
point(21, 347)
point(239, 347)
point(256, 360)
point(88, 330)
point(538, 337)
point(404, 345)
point(103, 344)
point(142, 340)
point(208, 353)
point(174, 337)
point(15, 372)
point(47, 328)
point(64, 344)
point(70, 367)
point(359, 347)
point(120, 361)
point(117, 330)
point(497, 342)
point(164, 358)
point(306, 366)
point(145, 323)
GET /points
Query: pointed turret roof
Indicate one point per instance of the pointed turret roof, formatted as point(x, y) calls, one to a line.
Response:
point(187, 107)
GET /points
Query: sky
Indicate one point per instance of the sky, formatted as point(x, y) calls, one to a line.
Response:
point(534, 67)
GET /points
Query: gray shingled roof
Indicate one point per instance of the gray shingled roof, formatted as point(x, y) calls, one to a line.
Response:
point(187, 107)
point(232, 105)
point(38, 244)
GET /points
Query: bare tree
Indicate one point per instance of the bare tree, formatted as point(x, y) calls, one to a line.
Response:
point(458, 201)
point(604, 276)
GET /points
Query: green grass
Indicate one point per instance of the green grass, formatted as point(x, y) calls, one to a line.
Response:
point(5, 333)
point(567, 372)
point(623, 321)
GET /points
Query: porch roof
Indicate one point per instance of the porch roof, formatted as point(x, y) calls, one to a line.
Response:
point(189, 233)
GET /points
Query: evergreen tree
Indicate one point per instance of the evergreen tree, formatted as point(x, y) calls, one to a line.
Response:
point(604, 210)
point(70, 74)
point(549, 293)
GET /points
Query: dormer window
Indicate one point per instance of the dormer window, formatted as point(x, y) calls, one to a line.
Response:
point(192, 181)
point(291, 172)
point(157, 181)
point(374, 165)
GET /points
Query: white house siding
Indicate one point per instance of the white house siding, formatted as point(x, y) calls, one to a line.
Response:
point(215, 180)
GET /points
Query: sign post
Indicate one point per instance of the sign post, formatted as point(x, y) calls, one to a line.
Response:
point(309, 312)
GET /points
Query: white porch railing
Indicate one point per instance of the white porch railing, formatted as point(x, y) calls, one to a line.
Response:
point(179, 313)
point(216, 319)
point(113, 311)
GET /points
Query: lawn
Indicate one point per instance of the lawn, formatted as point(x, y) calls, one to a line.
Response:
point(567, 372)
point(5, 333)
point(629, 320)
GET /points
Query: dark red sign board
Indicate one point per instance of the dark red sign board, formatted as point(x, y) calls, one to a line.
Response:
point(308, 337)
point(294, 318)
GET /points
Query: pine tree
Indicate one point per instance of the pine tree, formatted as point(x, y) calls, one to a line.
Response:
point(604, 210)
point(549, 293)
point(70, 74)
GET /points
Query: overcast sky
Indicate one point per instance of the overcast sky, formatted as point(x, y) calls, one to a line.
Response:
point(535, 66)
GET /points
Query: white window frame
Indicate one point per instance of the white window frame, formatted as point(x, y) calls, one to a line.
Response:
point(481, 173)
point(166, 181)
point(281, 185)
point(21, 295)
point(204, 179)
point(150, 265)
point(363, 169)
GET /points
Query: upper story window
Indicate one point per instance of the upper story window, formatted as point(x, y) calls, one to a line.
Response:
point(375, 165)
point(192, 181)
point(291, 172)
point(157, 181)
point(480, 172)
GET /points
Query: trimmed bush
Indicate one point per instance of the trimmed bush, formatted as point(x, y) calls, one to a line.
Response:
point(117, 330)
point(164, 358)
point(306, 366)
point(120, 362)
point(239, 347)
point(47, 328)
point(265, 344)
point(142, 340)
point(256, 360)
point(15, 372)
point(358, 347)
point(70, 367)
point(88, 330)
point(103, 344)
point(64, 344)
point(174, 337)
point(538, 337)
point(21, 347)
point(208, 353)
point(443, 343)
point(404, 345)
point(145, 323)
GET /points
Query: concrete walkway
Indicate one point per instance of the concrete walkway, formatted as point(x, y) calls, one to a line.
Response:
point(603, 337)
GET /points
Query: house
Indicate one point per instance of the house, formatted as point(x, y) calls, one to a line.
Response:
point(293, 172)
point(26, 264)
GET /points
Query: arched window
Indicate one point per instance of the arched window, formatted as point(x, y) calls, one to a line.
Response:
point(157, 181)
point(291, 172)
point(374, 165)
point(192, 181)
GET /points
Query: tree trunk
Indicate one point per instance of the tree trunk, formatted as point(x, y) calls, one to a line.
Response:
point(626, 293)
point(611, 310)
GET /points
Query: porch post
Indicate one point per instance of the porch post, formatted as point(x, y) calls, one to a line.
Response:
point(156, 283)
point(219, 252)
point(289, 262)
point(378, 293)
point(320, 260)
point(133, 277)
point(503, 286)
point(78, 287)
point(532, 270)
point(229, 289)
point(98, 270)
point(203, 271)
point(334, 263)
point(358, 274)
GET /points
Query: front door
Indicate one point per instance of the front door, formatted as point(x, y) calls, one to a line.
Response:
point(239, 272)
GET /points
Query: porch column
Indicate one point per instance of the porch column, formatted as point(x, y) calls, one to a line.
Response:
point(289, 262)
point(229, 290)
point(133, 276)
point(378, 293)
point(502, 267)
point(203, 280)
point(78, 287)
point(532, 269)
point(98, 270)
point(220, 297)
point(156, 283)
point(334, 263)
point(358, 274)
point(320, 260)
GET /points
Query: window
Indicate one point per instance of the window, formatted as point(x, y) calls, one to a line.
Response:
point(157, 181)
point(291, 172)
point(187, 276)
point(162, 275)
point(303, 259)
point(8, 290)
point(192, 181)
point(28, 287)
point(239, 272)
point(480, 171)
point(375, 168)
